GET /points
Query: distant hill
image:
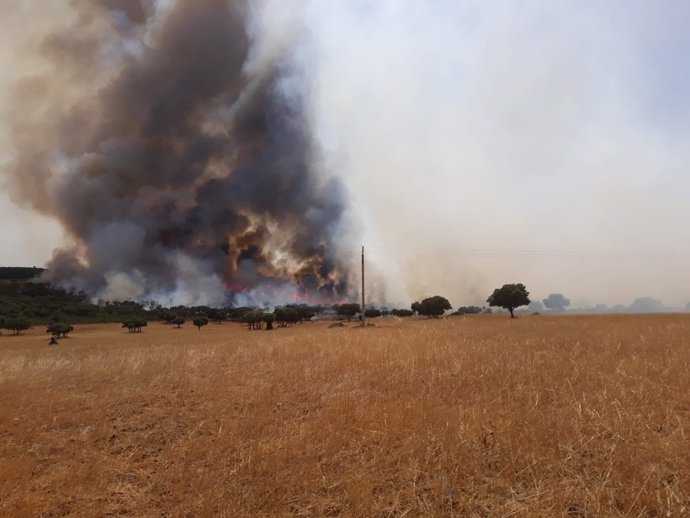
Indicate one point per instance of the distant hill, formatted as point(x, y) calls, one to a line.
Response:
point(19, 273)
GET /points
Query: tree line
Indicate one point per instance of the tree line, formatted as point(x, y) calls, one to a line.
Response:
point(24, 304)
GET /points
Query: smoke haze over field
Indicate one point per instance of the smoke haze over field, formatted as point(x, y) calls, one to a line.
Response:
point(468, 143)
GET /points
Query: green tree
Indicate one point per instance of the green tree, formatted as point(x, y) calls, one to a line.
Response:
point(432, 307)
point(306, 313)
point(216, 314)
point(469, 310)
point(348, 310)
point(253, 319)
point(285, 316)
point(269, 318)
point(200, 322)
point(237, 314)
point(178, 321)
point(134, 326)
point(510, 297)
point(17, 325)
point(59, 330)
point(167, 316)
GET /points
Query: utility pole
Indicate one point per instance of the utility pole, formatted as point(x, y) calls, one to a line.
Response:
point(364, 319)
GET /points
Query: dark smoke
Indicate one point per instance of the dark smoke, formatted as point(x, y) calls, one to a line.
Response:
point(177, 175)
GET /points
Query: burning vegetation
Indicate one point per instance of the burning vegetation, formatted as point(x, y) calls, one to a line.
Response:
point(178, 158)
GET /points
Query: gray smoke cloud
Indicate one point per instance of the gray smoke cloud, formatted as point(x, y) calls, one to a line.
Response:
point(169, 141)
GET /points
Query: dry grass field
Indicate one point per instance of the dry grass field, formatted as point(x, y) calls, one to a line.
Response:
point(479, 416)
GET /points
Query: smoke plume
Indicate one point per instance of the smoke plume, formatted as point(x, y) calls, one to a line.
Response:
point(175, 151)
point(189, 147)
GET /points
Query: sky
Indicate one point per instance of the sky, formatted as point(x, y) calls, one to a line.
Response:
point(28, 238)
point(481, 143)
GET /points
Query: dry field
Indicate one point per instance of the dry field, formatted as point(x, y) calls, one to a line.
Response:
point(479, 416)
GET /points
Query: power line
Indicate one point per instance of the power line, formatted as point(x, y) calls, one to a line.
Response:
point(477, 252)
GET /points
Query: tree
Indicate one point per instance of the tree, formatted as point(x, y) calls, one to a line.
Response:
point(17, 325)
point(59, 330)
point(200, 322)
point(647, 305)
point(134, 326)
point(20, 273)
point(253, 319)
point(178, 321)
point(402, 312)
point(432, 307)
point(535, 306)
point(269, 318)
point(168, 316)
point(556, 302)
point(237, 314)
point(372, 313)
point(216, 314)
point(469, 310)
point(299, 312)
point(348, 310)
point(510, 297)
point(286, 315)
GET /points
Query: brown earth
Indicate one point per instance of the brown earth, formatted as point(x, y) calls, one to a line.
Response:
point(465, 416)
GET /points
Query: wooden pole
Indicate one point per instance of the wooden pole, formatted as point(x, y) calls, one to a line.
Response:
point(363, 308)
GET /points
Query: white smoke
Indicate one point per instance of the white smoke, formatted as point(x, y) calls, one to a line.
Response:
point(518, 126)
point(196, 284)
point(123, 286)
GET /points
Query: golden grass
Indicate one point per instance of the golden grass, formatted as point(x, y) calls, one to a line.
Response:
point(479, 416)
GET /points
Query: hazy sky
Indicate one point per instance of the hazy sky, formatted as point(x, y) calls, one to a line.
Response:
point(28, 239)
point(549, 136)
